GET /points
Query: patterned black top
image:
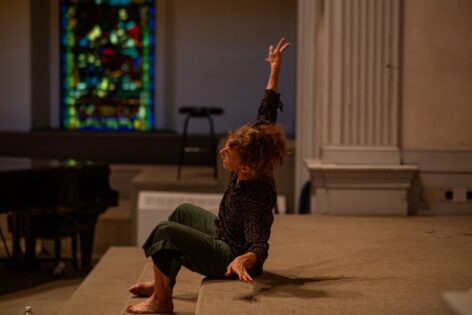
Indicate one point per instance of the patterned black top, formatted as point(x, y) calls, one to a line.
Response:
point(245, 215)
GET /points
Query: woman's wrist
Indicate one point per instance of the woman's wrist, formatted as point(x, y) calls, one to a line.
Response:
point(272, 83)
point(249, 259)
point(275, 66)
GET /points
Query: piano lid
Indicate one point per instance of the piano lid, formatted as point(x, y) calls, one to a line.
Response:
point(14, 164)
point(22, 164)
point(31, 183)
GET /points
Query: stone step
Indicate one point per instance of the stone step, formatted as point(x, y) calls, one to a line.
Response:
point(105, 289)
point(113, 228)
point(353, 265)
point(186, 290)
point(460, 302)
point(236, 297)
point(317, 265)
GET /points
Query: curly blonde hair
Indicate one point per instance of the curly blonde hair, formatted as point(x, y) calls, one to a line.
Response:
point(263, 147)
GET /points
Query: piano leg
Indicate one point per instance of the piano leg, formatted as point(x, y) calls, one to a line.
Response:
point(30, 239)
point(87, 234)
point(20, 226)
point(16, 236)
point(74, 251)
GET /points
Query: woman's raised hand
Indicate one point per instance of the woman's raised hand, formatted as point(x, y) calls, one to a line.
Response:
point(273, 59)
point(275, 54)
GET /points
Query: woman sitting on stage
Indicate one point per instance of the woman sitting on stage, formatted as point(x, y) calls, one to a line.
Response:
point(236, 242)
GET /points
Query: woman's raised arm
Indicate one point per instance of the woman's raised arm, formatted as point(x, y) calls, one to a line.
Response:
point(274, 58)
point(270, 104)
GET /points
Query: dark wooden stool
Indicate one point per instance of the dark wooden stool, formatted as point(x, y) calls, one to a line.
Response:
point(199, 112)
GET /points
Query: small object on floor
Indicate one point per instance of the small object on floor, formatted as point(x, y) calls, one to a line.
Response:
point(29, 310)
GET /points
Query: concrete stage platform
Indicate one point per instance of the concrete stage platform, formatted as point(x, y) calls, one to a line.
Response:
point(316, 265)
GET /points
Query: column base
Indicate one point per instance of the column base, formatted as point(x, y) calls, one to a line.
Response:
point(360, 189)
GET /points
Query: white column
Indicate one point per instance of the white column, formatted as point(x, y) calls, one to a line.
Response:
point(360, 97)
point(306, 144)
point(357, 167)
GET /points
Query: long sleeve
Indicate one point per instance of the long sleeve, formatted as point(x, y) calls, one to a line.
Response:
point(257, 229)
point(245, 218)
point(258, 219)
point(270, 104)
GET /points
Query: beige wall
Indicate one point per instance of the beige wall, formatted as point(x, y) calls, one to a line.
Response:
point(215, 57)
point(15, 65)
point(437, 80)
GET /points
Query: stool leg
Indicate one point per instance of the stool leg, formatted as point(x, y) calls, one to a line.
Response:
point(213, 147)
point(182, 147)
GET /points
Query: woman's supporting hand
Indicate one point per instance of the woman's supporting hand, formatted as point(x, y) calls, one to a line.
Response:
point(274, 58)
point(239, 266)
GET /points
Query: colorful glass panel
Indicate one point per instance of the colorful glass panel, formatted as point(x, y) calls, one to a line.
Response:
point(107, 64)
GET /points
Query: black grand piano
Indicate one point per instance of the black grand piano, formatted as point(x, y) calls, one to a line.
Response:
point(31, 189)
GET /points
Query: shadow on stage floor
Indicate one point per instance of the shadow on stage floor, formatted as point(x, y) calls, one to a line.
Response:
point(14, 279)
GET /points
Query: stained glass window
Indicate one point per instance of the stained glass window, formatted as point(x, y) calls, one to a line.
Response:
point(107, 64)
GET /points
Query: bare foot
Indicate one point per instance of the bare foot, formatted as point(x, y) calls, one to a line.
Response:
point(143, 289)
point(151, 306)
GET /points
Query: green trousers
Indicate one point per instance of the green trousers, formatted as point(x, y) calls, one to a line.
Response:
point(190, 232)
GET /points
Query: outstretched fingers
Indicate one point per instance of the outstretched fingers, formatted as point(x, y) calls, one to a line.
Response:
point(281, 46)
point(284, 47)
point(275, 54)
point(270, 54)
point(241, 272)
point(246, 277)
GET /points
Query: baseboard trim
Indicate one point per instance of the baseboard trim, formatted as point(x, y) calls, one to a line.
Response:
point(439, 161)
point(360, 189)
